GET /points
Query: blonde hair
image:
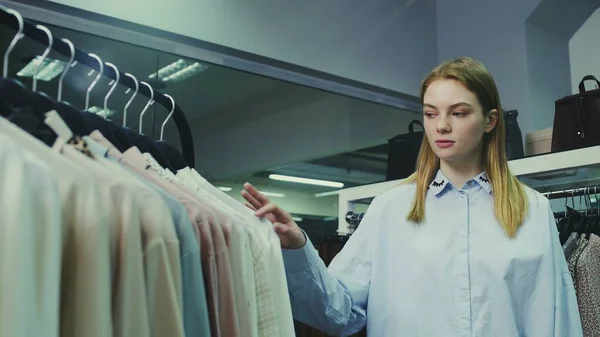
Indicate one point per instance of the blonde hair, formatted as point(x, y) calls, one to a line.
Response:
point(510, 201)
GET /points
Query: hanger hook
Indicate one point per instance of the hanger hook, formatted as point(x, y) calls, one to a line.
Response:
point(110, 91)
point(137, 87)
point(44, 55)
point(162, 128)
point(67, 68)
point(14, 41)
point(147, 104)
point(87, 94)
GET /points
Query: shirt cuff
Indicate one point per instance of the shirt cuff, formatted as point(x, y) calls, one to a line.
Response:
point(301, 259)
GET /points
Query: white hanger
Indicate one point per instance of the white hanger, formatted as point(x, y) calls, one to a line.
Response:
point(14, 41)
point(87, 94)
point(108, 64)
point(44, 55)
point(67, 67)
point(147, 104)
point(137, 87)
point(162, 128)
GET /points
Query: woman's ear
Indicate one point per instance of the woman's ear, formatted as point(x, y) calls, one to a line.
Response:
point(491, 120)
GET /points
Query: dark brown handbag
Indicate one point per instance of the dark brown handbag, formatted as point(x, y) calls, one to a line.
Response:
point(577, 119)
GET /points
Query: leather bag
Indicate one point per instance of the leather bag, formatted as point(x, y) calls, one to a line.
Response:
point(403, 151)
point(577, 119)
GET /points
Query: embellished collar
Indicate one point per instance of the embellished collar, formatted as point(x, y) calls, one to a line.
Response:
point(440, 182)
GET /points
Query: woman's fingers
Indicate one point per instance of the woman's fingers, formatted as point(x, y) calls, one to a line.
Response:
point(251, 200)
point(279, 214)
point(261, 198)
point(250, 206)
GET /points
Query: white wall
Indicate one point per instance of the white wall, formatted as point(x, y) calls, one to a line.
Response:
point(584, 51)
point(380, 42)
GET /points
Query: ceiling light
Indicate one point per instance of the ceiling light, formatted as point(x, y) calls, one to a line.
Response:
point(101, 112)
point(273, 194)
point(178, 71)
point(224, 189)
point(326, 194)
point(49, 69)
point(330, 218)
point(297, 219)
point(306, 181)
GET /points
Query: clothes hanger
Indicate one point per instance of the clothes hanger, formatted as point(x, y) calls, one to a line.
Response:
point(146, 142)
point(67, 112)
point(137, 88)
point(146, 106)
point(135, 138)
point(41, 102)
point(123, 143)
point(13, 94)
point(92, 120)
point(172, 154)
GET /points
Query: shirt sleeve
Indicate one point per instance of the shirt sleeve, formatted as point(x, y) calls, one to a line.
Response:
point(567, 321)
point(334, 299)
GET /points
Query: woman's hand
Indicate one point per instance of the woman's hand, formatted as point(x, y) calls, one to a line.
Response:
point(290, 234)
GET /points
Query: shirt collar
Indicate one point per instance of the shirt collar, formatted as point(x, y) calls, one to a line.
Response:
point(440, 182)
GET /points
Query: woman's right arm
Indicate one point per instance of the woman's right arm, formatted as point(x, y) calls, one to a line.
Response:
point(334, 299)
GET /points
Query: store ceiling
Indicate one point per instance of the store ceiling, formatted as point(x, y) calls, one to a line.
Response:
point(209, 94)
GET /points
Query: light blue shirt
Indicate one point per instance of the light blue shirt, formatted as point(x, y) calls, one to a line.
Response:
point(455, 274)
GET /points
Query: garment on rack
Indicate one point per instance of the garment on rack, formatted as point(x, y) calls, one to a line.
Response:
point(134, 261)
point(588, 286)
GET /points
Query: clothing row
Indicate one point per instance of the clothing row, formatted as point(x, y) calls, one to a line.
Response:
point(98, 242)
point(582, 252)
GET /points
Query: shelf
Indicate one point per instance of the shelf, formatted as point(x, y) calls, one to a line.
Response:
point(547, 172)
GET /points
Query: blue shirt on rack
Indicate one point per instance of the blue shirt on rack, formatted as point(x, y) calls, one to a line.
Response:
point(455, 274)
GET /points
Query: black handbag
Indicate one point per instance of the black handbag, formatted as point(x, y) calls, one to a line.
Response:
point(513, 135)
point(577, 119)
point(403, 151)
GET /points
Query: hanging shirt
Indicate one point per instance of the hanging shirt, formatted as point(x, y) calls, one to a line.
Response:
point(31, 243)
point(195, 312)
point(455, 274)
point(588, 286)
point(160, 251)
point(85, 310)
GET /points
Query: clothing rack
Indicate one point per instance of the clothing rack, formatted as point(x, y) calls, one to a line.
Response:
point(574, 192)
point(183, 127)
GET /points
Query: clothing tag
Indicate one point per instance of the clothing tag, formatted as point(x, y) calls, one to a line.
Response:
point(56, 123)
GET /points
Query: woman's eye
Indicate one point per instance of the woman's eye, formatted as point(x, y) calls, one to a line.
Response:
point(459, 114)
point(428, 114)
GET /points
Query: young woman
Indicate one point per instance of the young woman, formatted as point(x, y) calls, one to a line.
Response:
point(461, 248)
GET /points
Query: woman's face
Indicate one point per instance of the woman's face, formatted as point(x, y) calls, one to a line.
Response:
point(454, 121)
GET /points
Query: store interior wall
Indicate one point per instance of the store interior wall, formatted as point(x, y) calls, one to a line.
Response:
point(395, 37)
point(584, 51)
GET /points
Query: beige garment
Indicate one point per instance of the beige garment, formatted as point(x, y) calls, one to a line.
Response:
point(85, 306)
point(241, 259)
point(162, 270)
point(266, 312)
point(200, 220)
point(220, 229)
point(31, 243)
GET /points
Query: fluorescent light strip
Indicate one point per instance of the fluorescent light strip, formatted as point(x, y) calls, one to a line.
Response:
point(224, 188)
point(326, 194)
point(306, 181)
point(297, 219)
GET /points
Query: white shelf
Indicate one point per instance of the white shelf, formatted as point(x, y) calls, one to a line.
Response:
point(542, 167)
